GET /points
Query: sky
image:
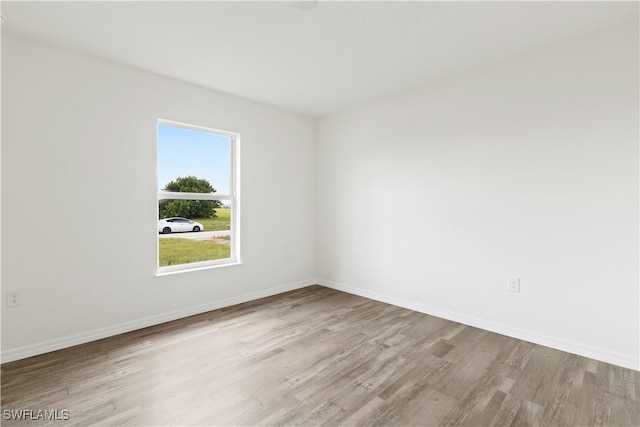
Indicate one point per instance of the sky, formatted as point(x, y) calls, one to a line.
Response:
point(183, 152)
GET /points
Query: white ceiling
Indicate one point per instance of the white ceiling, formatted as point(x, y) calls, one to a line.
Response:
point(317, 62)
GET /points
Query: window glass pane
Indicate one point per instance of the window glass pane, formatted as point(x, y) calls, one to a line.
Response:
point(195, 239)
point(194, 232)
point(193, 161)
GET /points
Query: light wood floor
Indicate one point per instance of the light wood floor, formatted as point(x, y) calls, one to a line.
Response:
point(320, 357)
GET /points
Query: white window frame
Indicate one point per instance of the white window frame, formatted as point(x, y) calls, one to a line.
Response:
point(232, 199)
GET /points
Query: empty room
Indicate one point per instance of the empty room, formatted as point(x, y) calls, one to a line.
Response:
point(315, 212)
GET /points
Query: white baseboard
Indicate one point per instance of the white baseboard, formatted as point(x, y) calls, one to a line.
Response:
point(96, 334)
point(603, 355)
point(84, 337)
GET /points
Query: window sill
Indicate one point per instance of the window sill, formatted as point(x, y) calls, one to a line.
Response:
point(168, 271)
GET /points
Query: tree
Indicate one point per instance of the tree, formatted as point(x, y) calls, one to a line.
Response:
point(189, 208)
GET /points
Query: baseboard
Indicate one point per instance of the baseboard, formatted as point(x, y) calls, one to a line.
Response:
point(96, 334)
point(85, 337)
point(614, 358)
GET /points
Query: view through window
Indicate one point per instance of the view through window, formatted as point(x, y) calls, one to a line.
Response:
point(197, 200)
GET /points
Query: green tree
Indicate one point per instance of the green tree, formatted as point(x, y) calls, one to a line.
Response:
point(189, 208)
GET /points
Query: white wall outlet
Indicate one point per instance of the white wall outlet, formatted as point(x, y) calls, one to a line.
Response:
point(14, 298)
point(514, 284)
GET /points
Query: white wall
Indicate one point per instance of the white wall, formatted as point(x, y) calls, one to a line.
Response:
point(526, 168)
point(428, 199)
point(79, 198)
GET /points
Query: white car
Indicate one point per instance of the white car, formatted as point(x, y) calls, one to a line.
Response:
point(175, 225)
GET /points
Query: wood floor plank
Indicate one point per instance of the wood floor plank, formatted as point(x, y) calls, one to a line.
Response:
point(315, 357)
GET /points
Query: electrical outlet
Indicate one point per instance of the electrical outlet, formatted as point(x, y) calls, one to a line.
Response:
point(514, 284)
point(14, 298)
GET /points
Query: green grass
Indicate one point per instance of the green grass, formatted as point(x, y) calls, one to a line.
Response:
point(185, 251)
point(221, 222)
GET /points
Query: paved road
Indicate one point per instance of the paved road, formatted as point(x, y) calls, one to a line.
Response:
point(202, 235)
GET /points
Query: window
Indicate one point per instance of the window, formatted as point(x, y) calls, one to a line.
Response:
point(198, 206)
